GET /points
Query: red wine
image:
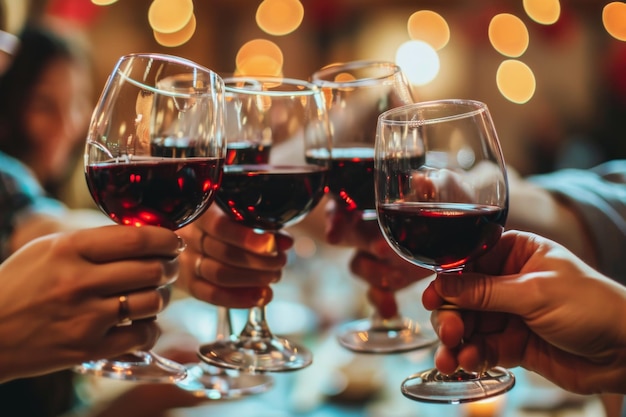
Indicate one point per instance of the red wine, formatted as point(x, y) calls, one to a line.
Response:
point(351, 177)
point(173, 148)
point(165, 192)
point(245, 153)
point(269, 197)
point(442, 235)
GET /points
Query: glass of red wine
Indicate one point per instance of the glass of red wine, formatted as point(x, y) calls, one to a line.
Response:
point(442, 201)
point(154, 156)
point(204, 379)
point(356, 93)
point(268, 194)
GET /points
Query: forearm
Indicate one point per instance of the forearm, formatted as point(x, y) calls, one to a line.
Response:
point(536, 210)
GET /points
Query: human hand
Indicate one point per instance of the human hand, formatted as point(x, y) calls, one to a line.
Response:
point(60, 298)
point(374, 261)
point(530, 302)
point(228, 264)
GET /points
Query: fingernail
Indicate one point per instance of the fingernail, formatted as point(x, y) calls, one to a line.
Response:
point(166, 293)
point(181, 245)
point(451, 285)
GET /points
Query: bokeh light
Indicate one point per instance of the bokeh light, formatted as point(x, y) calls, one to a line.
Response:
point(103, 2)
point(614, 19)
point(259, 57)
point(279, 17)
point(545, 12)
point(430, 27)
point(169, 16)
point(177, 38)
point(344, 77)
point(516, 81)
point(419, 61)
point(508, 35)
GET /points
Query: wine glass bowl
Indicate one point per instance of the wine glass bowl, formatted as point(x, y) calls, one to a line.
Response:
point(154, 156)
point(442, 201)
point(356, 93)
point(280, 149)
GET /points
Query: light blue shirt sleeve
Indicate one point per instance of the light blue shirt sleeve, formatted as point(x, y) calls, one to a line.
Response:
point(599, 195)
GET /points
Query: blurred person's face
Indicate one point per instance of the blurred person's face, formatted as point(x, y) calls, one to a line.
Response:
point(56, 117)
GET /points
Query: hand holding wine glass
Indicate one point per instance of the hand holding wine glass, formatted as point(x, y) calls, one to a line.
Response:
point(154, 156)
point(564, 329)
point(442, 201)
point(68, 308)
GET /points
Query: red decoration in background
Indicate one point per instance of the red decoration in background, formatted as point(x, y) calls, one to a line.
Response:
point(81, 12)
point(326, 14)
point(562, 30)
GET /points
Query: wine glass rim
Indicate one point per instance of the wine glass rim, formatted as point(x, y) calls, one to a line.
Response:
point(300, 87)
point(474, 107)
point(354, 65)
point(194, 67)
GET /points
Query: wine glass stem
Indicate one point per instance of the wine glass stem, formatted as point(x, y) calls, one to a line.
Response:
point(256, 328)
point(379, 322)
point(224, 324)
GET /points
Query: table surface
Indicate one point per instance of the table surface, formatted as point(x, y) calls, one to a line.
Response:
point(314, 296)
point(371, 383)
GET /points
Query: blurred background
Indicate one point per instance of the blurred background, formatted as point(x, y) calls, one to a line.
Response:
point(552, 72)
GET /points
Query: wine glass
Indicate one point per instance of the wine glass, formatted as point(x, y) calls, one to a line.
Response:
point(442, 201)
point(154, 156)
point(205, 379)
point(289, 116)
point(356, 93)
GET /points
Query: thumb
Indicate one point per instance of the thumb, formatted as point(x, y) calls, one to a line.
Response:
point(474, 291)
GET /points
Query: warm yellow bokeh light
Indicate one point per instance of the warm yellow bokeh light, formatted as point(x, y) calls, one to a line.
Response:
point(279, 17)
point(614, 19)
point(430, 27)
point(259, 65)
point(177, 38)
point(545, 12)
point(259, 57)
point(169, 16)
point(103, 2)
point(516, 81)
point(419, 61)
point(508, 35)
point(344, 77)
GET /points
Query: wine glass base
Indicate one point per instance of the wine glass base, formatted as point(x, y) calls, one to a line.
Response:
point(460, 387)
point(363, 336)
point(138, 366)
point(216, 384)
point(274, 355)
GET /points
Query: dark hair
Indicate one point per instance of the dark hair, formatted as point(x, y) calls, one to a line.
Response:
point(38, 47)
